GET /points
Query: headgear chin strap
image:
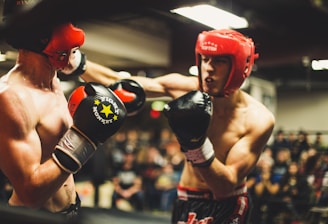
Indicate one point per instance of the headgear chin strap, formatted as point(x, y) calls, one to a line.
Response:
point(231, 43)
point(64, 38)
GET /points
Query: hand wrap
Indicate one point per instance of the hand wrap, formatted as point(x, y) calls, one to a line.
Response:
point(202, 156)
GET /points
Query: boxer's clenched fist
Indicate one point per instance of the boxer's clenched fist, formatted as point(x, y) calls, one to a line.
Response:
point(189, 117)
point(131, 93)
point(97, 114)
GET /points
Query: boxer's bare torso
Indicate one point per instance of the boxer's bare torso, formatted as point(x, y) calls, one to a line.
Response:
point(237, 136)
point(35, 116)
point(239, 129)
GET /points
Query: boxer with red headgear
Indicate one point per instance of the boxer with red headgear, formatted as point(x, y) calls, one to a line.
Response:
point(60, 43)
point(229, 43)
point(221, 129)
point(44, 144)
point(65, 38)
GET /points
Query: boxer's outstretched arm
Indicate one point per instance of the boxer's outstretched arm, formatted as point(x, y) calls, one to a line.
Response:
point(99, 73)
point(170, 85)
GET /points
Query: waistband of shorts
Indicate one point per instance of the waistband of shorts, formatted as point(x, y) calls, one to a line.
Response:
point(187, 193)
point(71, 211)
point(73, 208)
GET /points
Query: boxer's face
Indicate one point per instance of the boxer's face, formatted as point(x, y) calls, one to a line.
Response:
point(215, 71)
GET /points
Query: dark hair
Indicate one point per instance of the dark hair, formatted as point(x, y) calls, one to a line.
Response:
point(311, 162)
point(22, 37)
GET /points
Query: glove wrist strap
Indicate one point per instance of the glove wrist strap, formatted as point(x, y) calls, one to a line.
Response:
point(72, 151)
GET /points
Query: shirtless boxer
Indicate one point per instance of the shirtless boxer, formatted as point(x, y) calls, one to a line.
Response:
point(44, 139)
point(221, 129)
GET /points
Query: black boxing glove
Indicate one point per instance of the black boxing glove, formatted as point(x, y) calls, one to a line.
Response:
point(131, 93)
point(189, 117)
point(97, 114)
point(77, 66)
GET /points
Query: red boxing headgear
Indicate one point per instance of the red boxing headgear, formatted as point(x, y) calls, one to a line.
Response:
point(64, 38)
point(228, 43)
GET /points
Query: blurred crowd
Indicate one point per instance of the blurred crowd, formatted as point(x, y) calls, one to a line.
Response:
point(144, 167)
point(157, 162)
point(290, 178)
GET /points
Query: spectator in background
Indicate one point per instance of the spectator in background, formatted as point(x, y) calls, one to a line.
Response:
point(264, 160)
point(323, 197)
point(150, 162)
point(170, 174)
point(291, 138)
point(279, 142)
point(312, 171)
point(265, 190)
point(174, 156)
point(166, 183)
point(303, 160)
point(318, 143)
point(128, 182)
point(117, 146)
point(300, 144)
point(280, 166)
point(294, 193)
point(165, 137)
point(132, 139)
point(316, 171)
point(266, 157)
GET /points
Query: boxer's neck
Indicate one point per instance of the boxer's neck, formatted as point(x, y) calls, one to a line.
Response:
point(35, 69)
point(221, 104)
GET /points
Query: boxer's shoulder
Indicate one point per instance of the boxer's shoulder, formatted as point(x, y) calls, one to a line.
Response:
point(3, 87)
point(16, 104)
point(258, 123)
point(258, 113)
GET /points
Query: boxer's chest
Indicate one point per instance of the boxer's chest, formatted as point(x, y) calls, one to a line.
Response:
point(225, 131)
point(54, 119)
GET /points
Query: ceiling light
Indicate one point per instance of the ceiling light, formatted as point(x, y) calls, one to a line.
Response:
point(319, 64)
point(212, 16)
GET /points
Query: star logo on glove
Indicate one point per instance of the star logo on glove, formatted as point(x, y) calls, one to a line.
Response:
point(106, 110)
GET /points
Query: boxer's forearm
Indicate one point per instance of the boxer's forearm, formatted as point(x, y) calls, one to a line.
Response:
point(221, 179)
point(153, 87)
point(99, 73)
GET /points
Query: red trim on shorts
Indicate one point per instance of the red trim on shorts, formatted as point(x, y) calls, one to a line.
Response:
point(185, 193)
point(241, 209)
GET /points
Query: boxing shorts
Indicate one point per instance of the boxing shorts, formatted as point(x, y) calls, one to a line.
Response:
point(69, 214)
point(195, 206)
point(72, 211)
